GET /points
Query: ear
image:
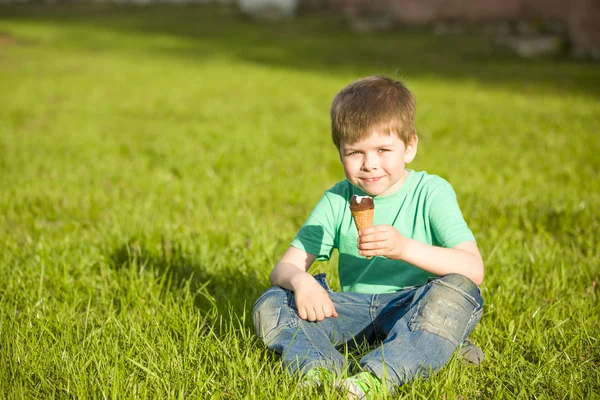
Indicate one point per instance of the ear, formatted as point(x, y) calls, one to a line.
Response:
point(411, 149)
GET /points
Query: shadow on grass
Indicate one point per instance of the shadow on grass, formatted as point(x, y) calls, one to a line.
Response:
point(319, 43)
point(177, 268)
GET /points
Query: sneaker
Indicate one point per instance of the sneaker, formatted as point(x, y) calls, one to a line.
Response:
point(315, 378)
point(471, 353)
point(362, 386)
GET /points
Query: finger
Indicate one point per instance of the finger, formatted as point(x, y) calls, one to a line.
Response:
point(374, 229)
point(329, 310)
point(319, 313)
point(364, 232)
point(311, 316)
point(371, 245)
point(334, 313)
point(302, 312)
point(367, 231)
point(371, 252)
point(373, 237)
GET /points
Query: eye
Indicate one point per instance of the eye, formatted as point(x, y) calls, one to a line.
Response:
point(384, 150)
point(353, 153)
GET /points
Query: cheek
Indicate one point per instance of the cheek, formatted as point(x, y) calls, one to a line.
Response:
point(392, 162)
point(349, 168)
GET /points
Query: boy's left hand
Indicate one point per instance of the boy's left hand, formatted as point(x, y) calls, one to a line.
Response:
point(382, 240)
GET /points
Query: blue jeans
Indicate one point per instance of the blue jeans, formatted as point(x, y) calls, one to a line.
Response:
point(417, 329)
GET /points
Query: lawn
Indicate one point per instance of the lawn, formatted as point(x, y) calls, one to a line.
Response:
point(156, 162)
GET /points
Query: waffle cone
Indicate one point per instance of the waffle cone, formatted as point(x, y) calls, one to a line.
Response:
point(363, 219)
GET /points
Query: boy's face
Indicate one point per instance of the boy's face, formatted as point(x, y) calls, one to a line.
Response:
point(376, 164)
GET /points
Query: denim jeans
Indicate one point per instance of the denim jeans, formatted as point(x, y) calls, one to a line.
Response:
point(417, 329)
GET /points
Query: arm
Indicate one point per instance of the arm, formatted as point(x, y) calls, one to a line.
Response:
point(385, 240)
point(312, 301)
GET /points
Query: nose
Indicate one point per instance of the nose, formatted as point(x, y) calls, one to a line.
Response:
point(370, 162)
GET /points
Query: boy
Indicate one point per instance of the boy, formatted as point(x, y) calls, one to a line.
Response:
point(408, 283)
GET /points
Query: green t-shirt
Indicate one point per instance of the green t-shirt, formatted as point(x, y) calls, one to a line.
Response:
point(424, 209)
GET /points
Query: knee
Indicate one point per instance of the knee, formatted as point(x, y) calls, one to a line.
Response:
point(463, 284)
point(273, 297)
point(449, 307)
point(268, 313)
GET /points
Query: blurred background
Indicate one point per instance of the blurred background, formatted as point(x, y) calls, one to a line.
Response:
point(528, 27)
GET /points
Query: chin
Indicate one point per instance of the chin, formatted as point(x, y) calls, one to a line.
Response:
point(372, 192)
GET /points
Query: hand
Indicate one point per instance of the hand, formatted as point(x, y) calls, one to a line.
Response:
point(382, 240)
point(312, 300)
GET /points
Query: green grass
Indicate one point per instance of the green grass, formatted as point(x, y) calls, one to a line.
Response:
point(156, 162)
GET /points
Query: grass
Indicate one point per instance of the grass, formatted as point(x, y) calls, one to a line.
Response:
point(155, 163)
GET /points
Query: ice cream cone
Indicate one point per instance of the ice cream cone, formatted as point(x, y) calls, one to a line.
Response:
point(363, 219)
point(362, 209)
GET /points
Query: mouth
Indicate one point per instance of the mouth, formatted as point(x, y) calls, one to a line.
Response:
point(371, 180)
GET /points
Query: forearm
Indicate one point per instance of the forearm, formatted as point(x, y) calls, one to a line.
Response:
point(443, 261)
point(287, 276)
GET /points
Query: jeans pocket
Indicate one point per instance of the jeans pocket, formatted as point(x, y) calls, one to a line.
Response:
point(445, 312)
point(267, 324)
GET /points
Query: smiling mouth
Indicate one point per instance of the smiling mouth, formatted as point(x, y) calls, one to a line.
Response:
point(371, 180)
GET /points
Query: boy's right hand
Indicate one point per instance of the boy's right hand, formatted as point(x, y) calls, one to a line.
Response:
point(312, 300)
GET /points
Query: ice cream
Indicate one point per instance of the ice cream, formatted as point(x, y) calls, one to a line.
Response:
point(362, 209)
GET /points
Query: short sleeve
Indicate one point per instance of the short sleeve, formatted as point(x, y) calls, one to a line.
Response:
point(317, 235)
point(447, 222)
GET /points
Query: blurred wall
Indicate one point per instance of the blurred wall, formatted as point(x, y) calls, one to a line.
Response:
point(581, 18)
point(141, 2)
